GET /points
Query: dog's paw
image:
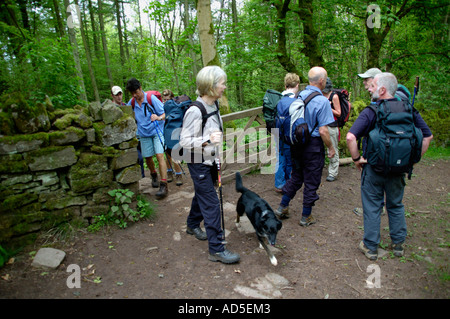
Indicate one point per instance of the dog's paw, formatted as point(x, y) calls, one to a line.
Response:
point(273, 260)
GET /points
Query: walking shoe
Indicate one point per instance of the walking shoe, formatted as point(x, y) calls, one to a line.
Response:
point(278, 190)
point(398, 249)
point(169, 176)
point(306, 221)
point(282, 212)
point(198, 232)
point(226, 257)
point(331, 178)
point(179, 179)
point(155, 183)
point(371, 254)
point(163, 190)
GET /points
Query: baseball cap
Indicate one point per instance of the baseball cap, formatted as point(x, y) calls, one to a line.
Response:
point(116, 90)
point(370, 73)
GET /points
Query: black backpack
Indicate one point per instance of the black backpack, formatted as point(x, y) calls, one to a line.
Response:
point(346, 106)
point(395, 144)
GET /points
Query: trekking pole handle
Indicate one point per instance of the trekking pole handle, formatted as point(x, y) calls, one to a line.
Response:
point(416, 85)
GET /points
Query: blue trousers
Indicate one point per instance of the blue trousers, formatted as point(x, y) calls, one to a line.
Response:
point(284, 165)
point(374, 187)
point(206, 205)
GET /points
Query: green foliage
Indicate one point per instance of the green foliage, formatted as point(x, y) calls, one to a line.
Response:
point(4, 256)
point(120, 212)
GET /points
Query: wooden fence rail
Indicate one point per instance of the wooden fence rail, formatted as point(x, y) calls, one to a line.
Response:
point(241, 154)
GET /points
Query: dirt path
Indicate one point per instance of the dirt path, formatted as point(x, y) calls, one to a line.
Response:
point(159, 260)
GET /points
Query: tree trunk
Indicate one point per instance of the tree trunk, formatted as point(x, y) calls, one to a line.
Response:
point(88, 59)
point(311, 45)
point(104, 43)
point(76, 54)
point(94, 29)
point(59, 23)
point(208, 44)
point(119, 32)
point(206, 33)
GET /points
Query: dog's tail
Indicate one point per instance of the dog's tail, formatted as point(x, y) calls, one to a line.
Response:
point(239, 186)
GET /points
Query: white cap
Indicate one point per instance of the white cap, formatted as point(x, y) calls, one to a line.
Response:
point(370, 73)
point(116, 90)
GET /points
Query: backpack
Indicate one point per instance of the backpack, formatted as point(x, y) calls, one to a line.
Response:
point(175, 110)
point(290, 120)
point(270, 101)
point(149, 100)
point(395, 144)
point(346, 106)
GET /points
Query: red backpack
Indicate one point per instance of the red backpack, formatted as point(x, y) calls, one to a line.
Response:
point(346, 106)
point(149, 99)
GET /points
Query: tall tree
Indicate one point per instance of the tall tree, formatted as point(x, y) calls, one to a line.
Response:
point(104, 43)
point(206, 33)
point(88, 57)
point(75, 51)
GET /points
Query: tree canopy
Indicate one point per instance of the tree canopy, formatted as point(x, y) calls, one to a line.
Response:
point(75, 50)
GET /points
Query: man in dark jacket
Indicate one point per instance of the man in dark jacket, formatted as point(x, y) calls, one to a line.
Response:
point(375, 187)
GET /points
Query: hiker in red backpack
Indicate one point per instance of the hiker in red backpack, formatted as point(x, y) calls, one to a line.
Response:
point(149, 114)
point(333, 129)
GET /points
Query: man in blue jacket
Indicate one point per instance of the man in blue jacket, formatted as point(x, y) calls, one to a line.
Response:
point(150, 118)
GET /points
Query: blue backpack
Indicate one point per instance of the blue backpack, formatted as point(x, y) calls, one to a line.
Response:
point(175, 110)
point(395, 144)
point(290, 120)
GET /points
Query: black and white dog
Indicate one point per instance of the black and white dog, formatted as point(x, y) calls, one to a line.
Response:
point(260, 214)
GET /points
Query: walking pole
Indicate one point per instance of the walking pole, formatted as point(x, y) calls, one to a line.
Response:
point(416, 90)
point(219, 170)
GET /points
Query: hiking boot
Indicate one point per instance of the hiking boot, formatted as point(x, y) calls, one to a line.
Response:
point(226, 257)
point(179, 179)
point(282, 212)
point(169, 176)
point(371, 254)
point(306, 221)
point(155, 183)
point(197, 232)
point(331, 178)
point(398, 249)
point(163, 190)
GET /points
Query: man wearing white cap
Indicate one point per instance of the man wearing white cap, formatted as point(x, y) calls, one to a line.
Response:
point(368, 76)
point(117, 95)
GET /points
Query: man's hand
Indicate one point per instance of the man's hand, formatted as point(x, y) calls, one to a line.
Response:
point(155, 117)
point(331, 152)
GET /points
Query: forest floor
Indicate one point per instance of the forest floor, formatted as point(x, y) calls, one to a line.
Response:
point(157, 260)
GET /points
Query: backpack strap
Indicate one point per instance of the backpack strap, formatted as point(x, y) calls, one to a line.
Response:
point(149, 105)
point(307, 100)
point(205, 114)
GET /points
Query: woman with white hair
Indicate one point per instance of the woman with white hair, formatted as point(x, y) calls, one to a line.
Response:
point(200, 136)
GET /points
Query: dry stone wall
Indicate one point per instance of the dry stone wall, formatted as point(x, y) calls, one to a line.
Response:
point(58, 165)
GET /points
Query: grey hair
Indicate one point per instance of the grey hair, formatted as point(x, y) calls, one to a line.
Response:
point(388, 81)
point(207, 80)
